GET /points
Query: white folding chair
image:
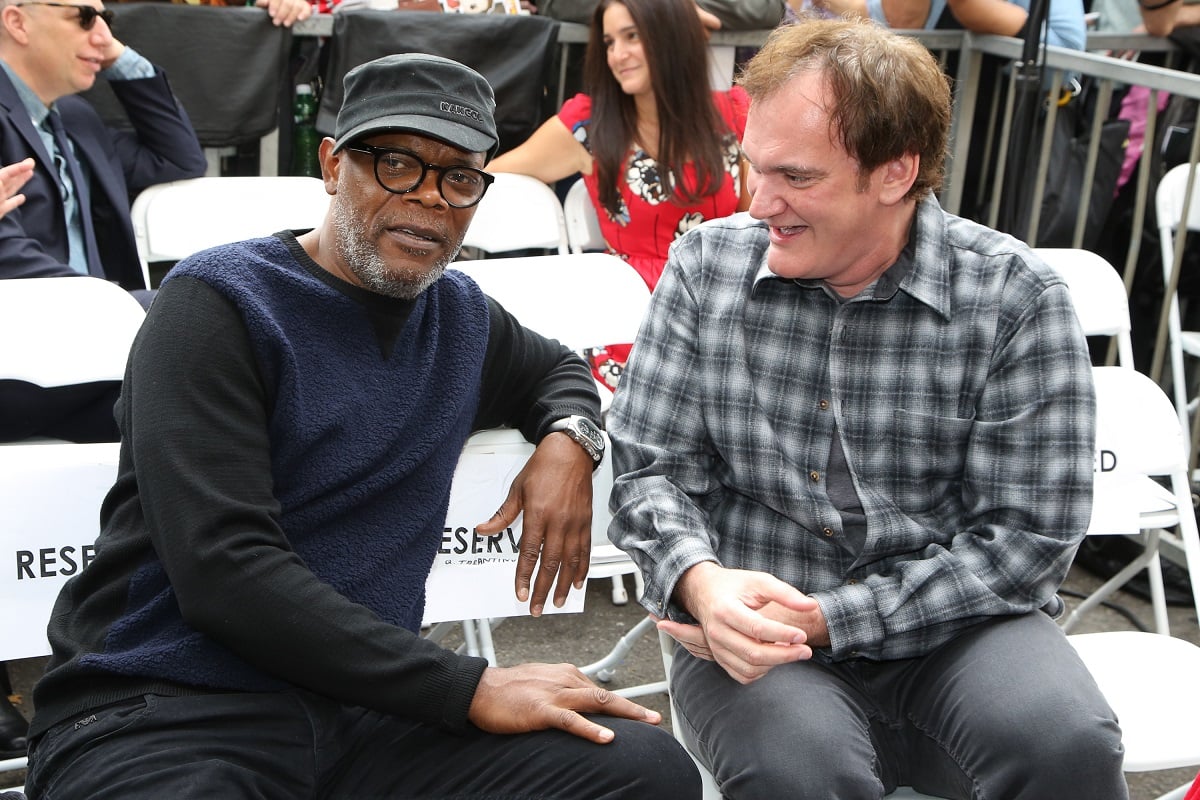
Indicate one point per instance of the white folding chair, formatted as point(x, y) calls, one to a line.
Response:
point(1150, 681)
point(50, 497)
point(1138, 439)
point(173, 220)
point(543, 292)
point(583, 227)
point(1169, 201)
point(1098, 294)
point(65, 331)
point(518, 213)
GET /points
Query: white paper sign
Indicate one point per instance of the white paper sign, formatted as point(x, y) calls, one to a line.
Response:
point(473, 577)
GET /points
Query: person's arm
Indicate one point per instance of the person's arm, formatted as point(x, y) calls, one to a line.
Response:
point(1065, 23)
point(530, 382)
point(666, 479)
point(1158, 16)
point(162, 145)
point(999, 17)
point(549, 155)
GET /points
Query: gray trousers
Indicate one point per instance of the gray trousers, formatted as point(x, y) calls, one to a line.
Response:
point(1005, 711)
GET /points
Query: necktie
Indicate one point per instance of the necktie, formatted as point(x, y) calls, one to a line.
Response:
point(83, 196)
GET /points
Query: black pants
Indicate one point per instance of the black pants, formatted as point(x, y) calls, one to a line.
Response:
point(300, 746)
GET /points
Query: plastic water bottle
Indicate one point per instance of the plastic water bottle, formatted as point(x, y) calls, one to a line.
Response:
point(305, 139)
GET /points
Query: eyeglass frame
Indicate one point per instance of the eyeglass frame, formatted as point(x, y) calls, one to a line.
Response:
point(378, 152)
point(87, 14)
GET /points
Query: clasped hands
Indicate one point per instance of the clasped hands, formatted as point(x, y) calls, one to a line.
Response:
point(749, 621)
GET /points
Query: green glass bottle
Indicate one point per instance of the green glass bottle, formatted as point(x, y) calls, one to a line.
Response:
point(305, 139)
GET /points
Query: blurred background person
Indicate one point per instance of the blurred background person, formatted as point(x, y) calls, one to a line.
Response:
point(657, 147)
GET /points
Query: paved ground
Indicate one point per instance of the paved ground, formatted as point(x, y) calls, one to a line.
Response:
point(585, 638)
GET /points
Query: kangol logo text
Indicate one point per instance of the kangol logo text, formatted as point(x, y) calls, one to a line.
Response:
point(462, 111)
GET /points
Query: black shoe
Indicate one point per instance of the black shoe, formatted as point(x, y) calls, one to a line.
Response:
point(13, 731)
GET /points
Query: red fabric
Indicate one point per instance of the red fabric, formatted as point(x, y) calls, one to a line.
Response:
point(1194, 792)
point(650, 221)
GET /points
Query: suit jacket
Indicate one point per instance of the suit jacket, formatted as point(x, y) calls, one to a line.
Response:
point(162, 147)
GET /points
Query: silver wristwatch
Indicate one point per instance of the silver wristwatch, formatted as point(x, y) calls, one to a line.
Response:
point(583, 431)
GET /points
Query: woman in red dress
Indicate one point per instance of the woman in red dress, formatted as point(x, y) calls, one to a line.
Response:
point(657, 147)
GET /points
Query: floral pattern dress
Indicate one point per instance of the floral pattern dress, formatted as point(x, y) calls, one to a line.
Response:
point(647, 221)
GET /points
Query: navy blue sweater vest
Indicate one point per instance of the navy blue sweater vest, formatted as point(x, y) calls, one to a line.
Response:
point(364, 437)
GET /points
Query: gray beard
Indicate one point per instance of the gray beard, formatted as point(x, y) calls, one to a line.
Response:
point(358, 251)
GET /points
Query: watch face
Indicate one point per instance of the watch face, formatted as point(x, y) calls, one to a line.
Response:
point(589, 429)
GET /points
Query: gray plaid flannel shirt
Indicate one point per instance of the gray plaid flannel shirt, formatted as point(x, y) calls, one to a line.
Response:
point(963, 398)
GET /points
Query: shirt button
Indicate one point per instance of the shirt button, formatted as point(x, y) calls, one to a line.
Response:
point(827, 531)
point(823, 405)
point(814, 476)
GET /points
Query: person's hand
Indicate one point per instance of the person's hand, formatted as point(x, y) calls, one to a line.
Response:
point(709, 20)
point(741, 613)
point(286, 12)
point(535, 697)
point(111, 53)
point(12, 178)
point(554, 491)
point(690, 636)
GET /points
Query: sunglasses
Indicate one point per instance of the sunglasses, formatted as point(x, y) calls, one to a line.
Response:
point(87, 14)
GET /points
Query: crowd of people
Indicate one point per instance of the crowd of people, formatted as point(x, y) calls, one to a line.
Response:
point(810, 438)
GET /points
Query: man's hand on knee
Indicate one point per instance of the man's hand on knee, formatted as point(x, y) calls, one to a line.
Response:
point(534, 697)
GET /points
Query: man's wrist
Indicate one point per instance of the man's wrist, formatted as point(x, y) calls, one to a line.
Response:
point(585, 433)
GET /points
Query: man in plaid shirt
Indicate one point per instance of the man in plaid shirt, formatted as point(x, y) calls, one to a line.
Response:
point(854, 449)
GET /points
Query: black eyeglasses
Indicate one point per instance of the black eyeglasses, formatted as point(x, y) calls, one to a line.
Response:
point(87, 14)
point(400, 171)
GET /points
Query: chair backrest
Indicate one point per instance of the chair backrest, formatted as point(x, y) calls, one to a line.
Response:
point(583, 300)
point(227, 66)
point(1169, 200)
point(518, 213)
point(50, 495)
point(1136, 424)
point(515, 52)
point(64, 331)
point(173, 220)
point(583, 227)
point(1098, 294)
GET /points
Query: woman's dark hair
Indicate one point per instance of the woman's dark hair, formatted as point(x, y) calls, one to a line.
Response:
point(689, 126)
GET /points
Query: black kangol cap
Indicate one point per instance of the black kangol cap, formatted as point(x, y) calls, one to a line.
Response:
point(424, 94)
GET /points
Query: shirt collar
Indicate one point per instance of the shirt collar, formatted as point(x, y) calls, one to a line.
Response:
point(921, 270)
point(38, 111)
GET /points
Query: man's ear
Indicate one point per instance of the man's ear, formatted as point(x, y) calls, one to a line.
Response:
point(898, 176)
point(330, 164)
point(13, 21)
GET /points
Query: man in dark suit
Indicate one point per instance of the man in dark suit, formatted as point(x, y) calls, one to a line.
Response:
point(75, 217)
point(49, 52)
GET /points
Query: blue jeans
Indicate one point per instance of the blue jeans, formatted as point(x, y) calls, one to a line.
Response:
point(300, 746)
point(1005, 711)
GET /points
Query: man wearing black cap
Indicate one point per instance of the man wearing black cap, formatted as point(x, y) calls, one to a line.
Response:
point(291, 419)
